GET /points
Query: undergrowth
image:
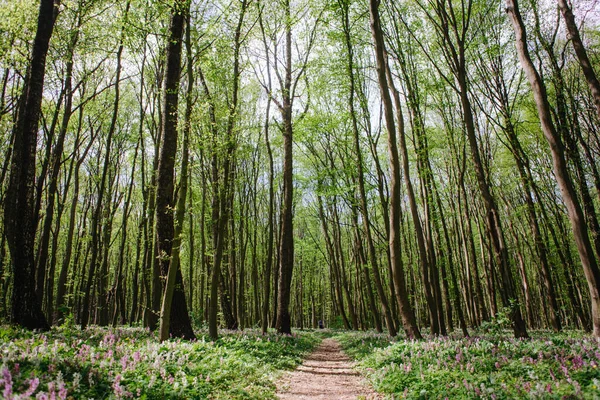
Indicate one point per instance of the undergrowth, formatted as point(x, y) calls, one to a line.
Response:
point(102, 363)
point(484, 366)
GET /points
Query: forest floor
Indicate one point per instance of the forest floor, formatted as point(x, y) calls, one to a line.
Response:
point(327, 373)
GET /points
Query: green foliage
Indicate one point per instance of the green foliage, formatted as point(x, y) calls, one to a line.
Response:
point(499, 323)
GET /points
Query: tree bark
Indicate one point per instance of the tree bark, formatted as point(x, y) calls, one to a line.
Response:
point(99, 209)
point(406, 311)
point(286, 260)
point(174, 313)
point(576, 217)
point(19, 212)
point(582, 57)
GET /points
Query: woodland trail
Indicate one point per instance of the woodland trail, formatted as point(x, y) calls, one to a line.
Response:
point(325, 374)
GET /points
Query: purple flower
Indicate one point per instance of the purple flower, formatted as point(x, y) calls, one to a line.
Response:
point(124, 362)
point(577, 362)
point(8, 383)
point(51, 391)
point(118, 390)
point(33, 385)
point(62, 391)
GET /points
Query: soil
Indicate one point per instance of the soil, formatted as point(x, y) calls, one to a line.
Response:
point(325, 374)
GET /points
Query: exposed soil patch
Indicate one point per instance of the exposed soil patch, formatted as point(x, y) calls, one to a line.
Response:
point(326, 374)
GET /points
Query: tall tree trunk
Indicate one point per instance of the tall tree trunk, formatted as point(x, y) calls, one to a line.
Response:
point(64, 270)
point(117, 289)
point(576, 217)
point(424, 259)
point(406, 311)
point(19, 211)
point(221, 209)
point(55, 164)
point(99, 209)
point(174, 312)
point(270, 227)
point(286, 261)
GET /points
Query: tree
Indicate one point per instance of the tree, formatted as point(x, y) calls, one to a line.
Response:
point(576, 217)
point(174, 314)
point(580, 51)
point(19, 211)
point(406, 311)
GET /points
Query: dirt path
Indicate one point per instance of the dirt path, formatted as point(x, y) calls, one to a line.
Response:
point(326, 374)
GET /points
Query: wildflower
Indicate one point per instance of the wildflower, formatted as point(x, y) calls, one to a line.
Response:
point(33, 385)
point(62, 391)
point(577, 387)
point(124, 362)
point(8, 383)
point(76, 381)
point(118, 390)
point(51, 391)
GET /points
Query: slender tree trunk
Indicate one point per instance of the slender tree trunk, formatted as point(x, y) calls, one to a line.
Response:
point(286, 266)
point(221, 209)
point(55, 164)
point(99, 209)
point(576, 217)
point(333, 264)
point(407, 314)
point(360, 176)
point(337, 237)
point(117, 288)
point(582, 57)
point(426, 273)
point(270, 227)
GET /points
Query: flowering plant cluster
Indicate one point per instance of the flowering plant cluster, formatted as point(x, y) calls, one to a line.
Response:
point(548, 366)
point(123, 363)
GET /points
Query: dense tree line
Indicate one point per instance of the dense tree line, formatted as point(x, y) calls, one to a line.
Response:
point(251, 163)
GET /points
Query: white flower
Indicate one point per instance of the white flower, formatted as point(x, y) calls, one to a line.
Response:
point(76, 380)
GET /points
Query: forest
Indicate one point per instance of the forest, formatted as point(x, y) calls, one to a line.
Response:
point(208, 183)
